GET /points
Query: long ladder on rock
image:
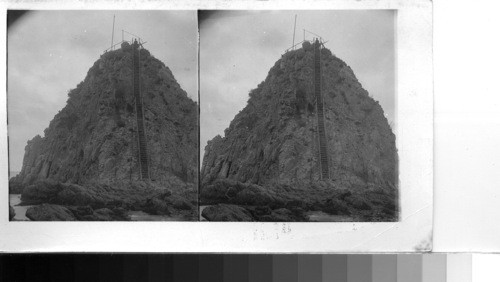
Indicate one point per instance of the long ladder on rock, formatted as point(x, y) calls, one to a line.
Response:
point(323, 149)
point(139, 113)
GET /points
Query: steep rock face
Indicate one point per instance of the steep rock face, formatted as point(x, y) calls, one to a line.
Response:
point(273, 141)
point(226, 213)
point(94, 139)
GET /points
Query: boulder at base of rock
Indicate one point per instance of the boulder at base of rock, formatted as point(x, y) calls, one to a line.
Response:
point(235, 192)
point(47, 212)
point(156, 207)
point(12, 213)
point(223, 212)
point(181, 203)
point(104, 214)
point(82, 213)
point(283, 215)
point(86, 213)
point(278, 215)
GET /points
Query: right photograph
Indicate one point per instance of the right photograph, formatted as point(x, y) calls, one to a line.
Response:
point(298, 116)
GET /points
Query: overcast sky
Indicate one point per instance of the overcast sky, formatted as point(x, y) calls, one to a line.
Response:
point(50, 52)
point(237, 49)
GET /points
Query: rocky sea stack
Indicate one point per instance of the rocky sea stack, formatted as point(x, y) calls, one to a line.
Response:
point(88, 160)
point(271, 162)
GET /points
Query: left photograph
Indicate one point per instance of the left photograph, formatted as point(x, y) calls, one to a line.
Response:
point(102, 115)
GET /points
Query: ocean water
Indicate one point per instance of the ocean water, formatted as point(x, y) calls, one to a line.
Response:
point(201, 210)
point(14, 201)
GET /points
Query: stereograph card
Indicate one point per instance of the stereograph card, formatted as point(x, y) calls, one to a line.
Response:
point(263, 128)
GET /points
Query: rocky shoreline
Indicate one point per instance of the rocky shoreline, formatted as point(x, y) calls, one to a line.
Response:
point(52, 200)
point(231, 200)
